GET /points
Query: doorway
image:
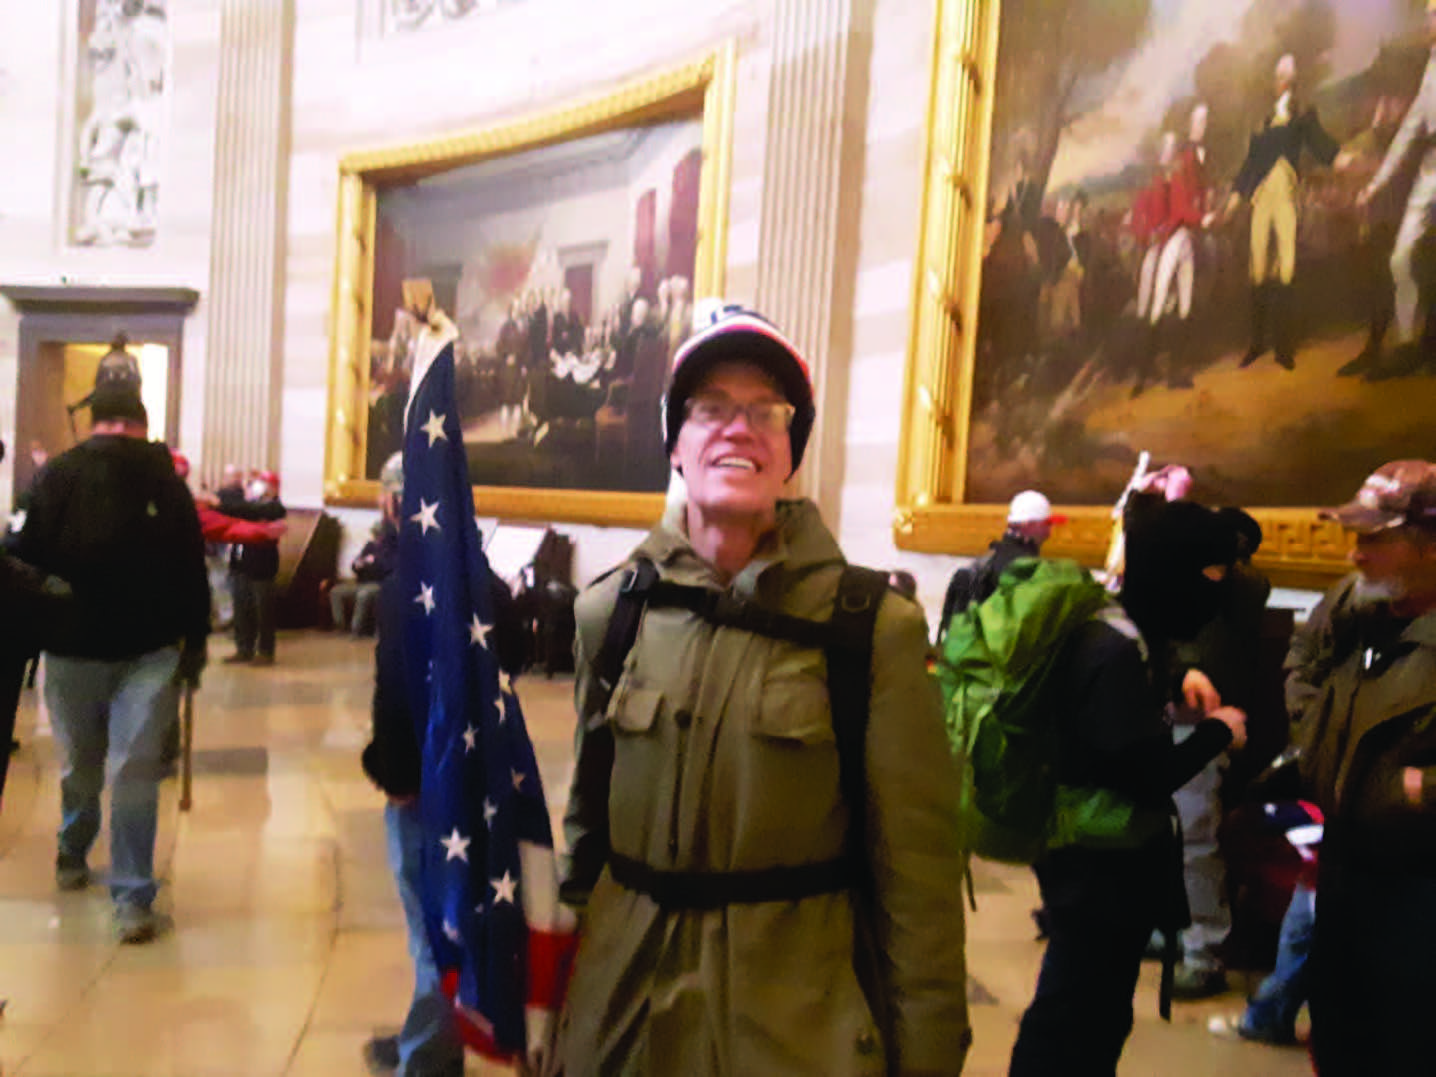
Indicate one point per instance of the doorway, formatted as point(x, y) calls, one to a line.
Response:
point(64, 332)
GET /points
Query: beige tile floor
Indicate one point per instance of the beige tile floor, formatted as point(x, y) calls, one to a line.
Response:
point(287, 949)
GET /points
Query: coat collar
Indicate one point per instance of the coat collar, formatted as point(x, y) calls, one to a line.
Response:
point(801, 541)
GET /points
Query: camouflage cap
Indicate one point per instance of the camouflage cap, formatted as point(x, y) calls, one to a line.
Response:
point(1401, 493)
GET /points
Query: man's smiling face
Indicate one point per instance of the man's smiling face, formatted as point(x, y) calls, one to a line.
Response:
point(735, 468)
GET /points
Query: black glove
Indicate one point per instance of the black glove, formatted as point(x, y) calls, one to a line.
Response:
point(193, 657)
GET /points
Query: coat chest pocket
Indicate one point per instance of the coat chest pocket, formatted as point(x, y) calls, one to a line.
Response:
point(635, 710)
point(794, 704)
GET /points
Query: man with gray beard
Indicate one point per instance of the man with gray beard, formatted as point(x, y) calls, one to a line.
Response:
point(1367, 736)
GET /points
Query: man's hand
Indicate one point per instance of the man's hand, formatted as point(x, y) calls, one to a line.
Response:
point(1235, 719)
point(1413, 782)
point(1199, 693)
point(275, 529)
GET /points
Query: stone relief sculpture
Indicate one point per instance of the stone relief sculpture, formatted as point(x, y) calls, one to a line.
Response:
point(417, 14)
point(122, 82)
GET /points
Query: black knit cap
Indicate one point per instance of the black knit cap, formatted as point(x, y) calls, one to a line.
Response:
point(735, 333)
point(117, 402)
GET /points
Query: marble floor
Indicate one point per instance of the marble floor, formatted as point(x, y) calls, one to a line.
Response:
point(287, 948)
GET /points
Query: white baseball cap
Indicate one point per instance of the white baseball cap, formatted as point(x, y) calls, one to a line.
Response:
point(1030, 507)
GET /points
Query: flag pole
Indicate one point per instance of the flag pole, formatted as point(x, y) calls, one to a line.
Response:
point(1116, 561)
point(187, 748)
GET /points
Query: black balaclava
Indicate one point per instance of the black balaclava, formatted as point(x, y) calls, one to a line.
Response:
point(1169, 543)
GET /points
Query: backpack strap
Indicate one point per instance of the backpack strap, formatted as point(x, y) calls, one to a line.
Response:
point(850, 684)
point(849, 654)
point(622, 631)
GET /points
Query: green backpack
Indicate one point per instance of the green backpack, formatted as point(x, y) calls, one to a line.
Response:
point(1002, 714)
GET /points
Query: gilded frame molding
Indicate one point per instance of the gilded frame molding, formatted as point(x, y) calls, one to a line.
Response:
point(930, 515)
point(705, 87)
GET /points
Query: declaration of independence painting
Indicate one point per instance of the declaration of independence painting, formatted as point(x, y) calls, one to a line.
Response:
point(1209, 236)
point(568, 271)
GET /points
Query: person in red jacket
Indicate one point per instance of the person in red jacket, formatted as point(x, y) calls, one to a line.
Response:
point(226, 530)
point(1150, 212)
point(1187, 215)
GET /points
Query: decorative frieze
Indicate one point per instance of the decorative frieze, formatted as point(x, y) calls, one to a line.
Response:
point(401, 16)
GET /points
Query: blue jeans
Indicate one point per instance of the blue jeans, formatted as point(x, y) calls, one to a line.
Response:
point(120, 709)
point(1271, 1012)
point(428, 1043)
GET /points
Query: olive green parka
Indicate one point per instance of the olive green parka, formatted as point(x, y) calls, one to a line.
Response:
point(724, 759)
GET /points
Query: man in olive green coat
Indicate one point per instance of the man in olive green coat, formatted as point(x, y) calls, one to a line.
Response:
point(1366, 688)
point(716, 756)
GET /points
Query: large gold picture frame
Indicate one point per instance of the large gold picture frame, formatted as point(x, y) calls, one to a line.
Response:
point(703, 89)
point(932, 514)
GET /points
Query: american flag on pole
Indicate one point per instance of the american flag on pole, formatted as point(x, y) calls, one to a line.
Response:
point(490, 882)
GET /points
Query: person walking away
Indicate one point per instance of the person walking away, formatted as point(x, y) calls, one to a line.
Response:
point(111, 516)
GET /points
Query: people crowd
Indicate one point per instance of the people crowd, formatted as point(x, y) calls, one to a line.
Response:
point(766, 830)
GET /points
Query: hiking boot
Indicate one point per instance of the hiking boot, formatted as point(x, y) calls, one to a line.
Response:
point(71, 877)
point(135, 924)
point(1192, 982)
point(381, 1055)
point(263, 660)
point(238, 659)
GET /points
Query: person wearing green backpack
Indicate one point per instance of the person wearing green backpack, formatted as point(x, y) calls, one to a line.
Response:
point(1112, 869)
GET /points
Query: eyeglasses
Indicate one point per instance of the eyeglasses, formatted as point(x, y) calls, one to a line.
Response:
point(763, 416)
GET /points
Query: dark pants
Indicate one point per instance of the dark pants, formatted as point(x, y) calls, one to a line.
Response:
point(12, 677)
point(1101, 908)
point(253, 615)
point(1373, 973)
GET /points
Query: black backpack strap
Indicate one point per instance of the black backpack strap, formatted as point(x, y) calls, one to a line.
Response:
point(727, 610)
point(622, 631)
point(850, 685)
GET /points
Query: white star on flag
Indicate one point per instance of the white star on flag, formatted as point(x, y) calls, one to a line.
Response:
point(427, 516)
point(518, 778)
point(504, 889)
point(435, 429)
point(506, 683)
point(479, 632)
point(490, 810)
point(425, 597)
point(452, 933)
point(503, 710)
point(470, 735)
point(456, 847)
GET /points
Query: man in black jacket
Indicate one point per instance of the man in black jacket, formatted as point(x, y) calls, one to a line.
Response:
point(113, 518)
point(32, 606)
point(1103, 889)
point(1030, 521)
